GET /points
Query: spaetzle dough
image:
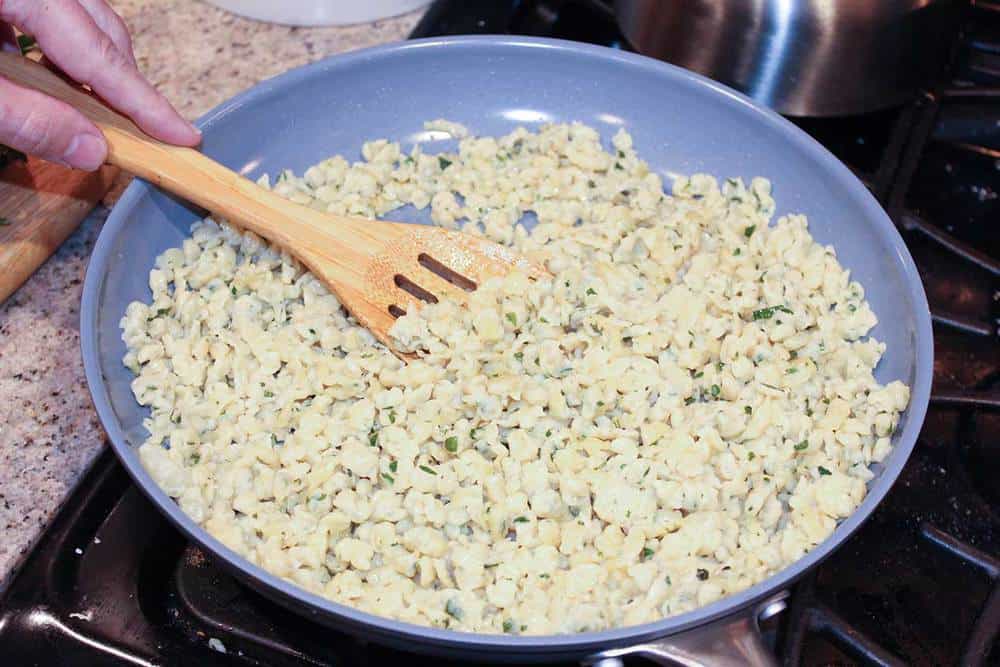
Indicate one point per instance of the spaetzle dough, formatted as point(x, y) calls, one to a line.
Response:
point(686, 408)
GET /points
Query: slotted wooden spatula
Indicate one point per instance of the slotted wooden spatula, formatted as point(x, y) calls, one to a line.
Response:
point(376, 269)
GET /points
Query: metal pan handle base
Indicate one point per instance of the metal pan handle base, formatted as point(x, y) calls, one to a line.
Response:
point(734, 641)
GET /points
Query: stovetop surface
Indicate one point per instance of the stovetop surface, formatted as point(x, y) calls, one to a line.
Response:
point(112, 583)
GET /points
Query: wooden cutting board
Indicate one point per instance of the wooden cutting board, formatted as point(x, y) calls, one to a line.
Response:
point(40, 206)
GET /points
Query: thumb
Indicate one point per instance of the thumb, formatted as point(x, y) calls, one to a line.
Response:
point(39, 125)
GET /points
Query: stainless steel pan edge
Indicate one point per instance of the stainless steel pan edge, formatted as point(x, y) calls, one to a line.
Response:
point(681, 123)
point(801, 57)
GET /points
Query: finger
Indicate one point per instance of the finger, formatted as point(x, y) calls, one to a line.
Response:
point(72, 40)
point(111, 25)
point(39, 125)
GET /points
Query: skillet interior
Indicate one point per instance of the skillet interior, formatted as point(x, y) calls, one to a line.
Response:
point(681, 123)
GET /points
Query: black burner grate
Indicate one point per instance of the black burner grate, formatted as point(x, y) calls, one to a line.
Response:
point(112, 583)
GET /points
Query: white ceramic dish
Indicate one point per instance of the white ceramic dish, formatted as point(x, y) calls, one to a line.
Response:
point(318, 12)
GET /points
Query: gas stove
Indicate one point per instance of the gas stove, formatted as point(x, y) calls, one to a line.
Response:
point(112, 583)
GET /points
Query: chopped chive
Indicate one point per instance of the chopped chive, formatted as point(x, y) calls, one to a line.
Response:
point(699, 374)
point(689, 400)
point(791, 370)
point(519, 356)
point(646, 553)
point(521, 519)
point(428, 470)
point(473, 434)
point(389, 478)
point(373, 439)
point(748, 232)
point(715, 390)
point(802, 445)
point(747, 409)
point(512, 318)
point(591, 291)
point(751, 456)
point(393, 466)
point(451, 444)
point(443, 162)
point(25, 43)
point(823, 471)
point(508, 625)
point(768, 313)
point(392, 416)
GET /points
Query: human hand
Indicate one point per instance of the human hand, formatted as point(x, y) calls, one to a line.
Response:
point(90, 43)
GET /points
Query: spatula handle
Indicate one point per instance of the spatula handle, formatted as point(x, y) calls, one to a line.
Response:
point(182, 171)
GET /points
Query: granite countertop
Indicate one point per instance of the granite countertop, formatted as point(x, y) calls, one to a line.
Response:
point(198, 56)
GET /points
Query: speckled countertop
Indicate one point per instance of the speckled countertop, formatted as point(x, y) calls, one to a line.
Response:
point(49, 434)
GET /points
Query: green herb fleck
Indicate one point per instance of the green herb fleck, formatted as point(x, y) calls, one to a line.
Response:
point(702, 574)
point(748, 232)
point(646, 553)
point(451, 444)
point(768, 313)
point(428, 470)
point(747, 409)
point(699, 374)
point(508, 625)
point(443, 162)
point(521, 519)
point(719, 366)
point(373, 439)
point(392, 416)
point(393, 466)
point(196, 457)
point(512, 318)
point(548, 434)
point(473, 434)
point(791, 370)
point(519, 356)
point(736, 253)
point(823, 471)
point(232, 290)
point(802, 445)
point(751, 456)
point(389, 478)
point(25, 43)
point(715, 390)
point(689, 400)
point(591, 292)
point(852, 308)
point(619, 166)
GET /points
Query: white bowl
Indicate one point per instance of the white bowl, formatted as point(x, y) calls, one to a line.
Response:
point(318, 12)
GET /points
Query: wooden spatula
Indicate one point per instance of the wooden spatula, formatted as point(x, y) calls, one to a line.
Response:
point(376, 269)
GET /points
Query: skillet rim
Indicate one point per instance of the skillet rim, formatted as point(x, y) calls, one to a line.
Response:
point(436, 639)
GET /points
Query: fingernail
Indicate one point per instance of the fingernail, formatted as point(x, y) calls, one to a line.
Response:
point(85, 151)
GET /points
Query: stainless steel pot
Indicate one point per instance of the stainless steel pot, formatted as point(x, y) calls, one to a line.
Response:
point(800, 57)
